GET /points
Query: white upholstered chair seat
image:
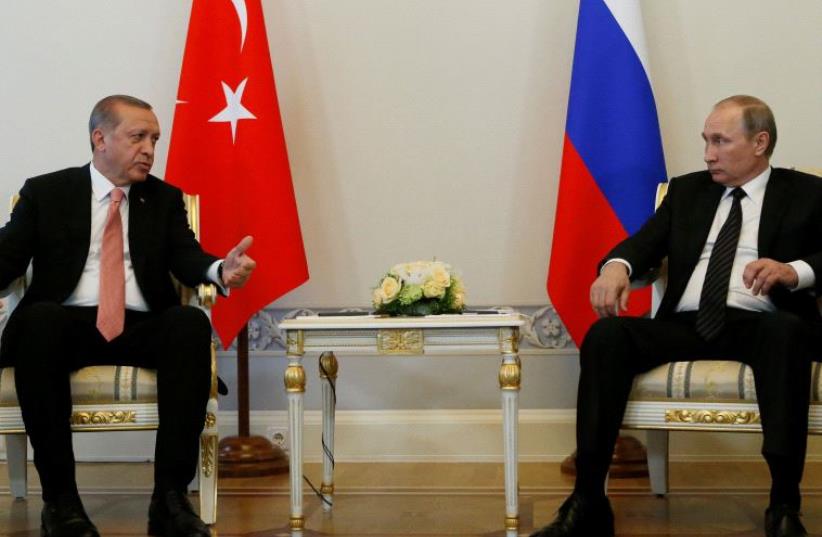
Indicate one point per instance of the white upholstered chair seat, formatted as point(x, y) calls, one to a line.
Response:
point(97, 385)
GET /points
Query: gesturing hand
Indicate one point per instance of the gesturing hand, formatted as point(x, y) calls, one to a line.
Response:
point(237, 266)
point(609, 292)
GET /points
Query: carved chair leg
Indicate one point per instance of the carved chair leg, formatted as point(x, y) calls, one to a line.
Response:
point(658, 461)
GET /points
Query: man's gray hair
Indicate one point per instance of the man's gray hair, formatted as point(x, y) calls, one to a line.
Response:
point(756, 117)
point(104, 114)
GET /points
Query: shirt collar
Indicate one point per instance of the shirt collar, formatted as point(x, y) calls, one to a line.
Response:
point(755, 188)
point(101, 186)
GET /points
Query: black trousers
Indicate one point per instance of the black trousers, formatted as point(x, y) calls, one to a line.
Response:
point(50, 340)
point(775, 345)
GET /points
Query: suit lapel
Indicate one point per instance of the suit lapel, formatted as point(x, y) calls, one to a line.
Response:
point(774, 205)
point(79, 211)
point(704, 209)
point(139, 224)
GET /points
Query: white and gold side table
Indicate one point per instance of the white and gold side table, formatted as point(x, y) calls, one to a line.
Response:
point(373, 335)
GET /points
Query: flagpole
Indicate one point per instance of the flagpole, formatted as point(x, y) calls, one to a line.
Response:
point(245, 455)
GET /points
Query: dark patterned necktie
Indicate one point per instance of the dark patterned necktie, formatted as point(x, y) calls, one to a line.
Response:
point(710, 319)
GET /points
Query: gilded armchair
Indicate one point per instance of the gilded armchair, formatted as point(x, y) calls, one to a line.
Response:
point(710, 395)
point(116, 398)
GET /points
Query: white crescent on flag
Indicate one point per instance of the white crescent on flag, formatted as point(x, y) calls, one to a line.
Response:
point(242, 15)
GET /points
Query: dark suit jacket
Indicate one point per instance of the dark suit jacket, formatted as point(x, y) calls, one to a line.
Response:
point(51, 228)
point(790, 229)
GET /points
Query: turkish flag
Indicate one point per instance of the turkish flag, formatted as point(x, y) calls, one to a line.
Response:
point(227, 145)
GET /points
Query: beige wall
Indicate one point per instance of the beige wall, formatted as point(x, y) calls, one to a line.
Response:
point(415, 128)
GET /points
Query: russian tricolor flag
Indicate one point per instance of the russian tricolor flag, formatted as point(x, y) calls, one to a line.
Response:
point(612, 157)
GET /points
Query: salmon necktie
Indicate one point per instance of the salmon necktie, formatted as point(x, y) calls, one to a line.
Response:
point(111, 310)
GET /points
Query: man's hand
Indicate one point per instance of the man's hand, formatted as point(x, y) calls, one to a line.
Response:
point(237, 266)
point(761, 275)
point(609, 292)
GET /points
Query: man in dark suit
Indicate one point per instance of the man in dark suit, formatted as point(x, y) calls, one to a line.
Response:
point(744, 248)
point(103, 241)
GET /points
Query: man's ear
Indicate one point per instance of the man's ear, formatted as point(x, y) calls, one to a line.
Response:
point(762, 140)
point(98, 139)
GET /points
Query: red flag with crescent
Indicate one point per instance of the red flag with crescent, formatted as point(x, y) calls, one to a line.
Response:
point(227, 145)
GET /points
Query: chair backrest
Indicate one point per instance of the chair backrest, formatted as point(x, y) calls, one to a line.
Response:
point(658, 287)
point(192, 203)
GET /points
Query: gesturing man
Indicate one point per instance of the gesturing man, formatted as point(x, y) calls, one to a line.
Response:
point(744, 248)
point(104, 240)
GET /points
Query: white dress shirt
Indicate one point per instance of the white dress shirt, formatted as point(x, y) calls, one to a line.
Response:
point(87, 291)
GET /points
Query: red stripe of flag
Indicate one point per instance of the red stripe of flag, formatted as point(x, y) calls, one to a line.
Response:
point(586, 229)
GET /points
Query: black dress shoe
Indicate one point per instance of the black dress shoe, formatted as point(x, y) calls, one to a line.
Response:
point(783, 521)
point(171, 515)
point(65, 517)
point(580, 516)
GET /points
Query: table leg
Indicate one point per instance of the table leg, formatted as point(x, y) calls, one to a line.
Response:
point(295, 389)
point(509, 382)
point(328, 374)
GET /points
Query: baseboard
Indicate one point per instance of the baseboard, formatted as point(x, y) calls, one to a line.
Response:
point(421, 435)
point(428, 436)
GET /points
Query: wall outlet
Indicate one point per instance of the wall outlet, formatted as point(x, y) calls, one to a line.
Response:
point(278, 436)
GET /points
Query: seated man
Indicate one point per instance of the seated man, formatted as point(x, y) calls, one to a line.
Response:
point(103, 240)
point(744, 248)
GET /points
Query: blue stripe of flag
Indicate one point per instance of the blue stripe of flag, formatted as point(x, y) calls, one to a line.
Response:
point(612, 119)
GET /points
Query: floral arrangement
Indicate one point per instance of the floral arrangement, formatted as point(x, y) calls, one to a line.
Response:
point(419, 288)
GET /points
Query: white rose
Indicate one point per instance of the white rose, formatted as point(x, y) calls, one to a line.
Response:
point(432, 289)
point(417, 272)
point(440, 274)
point(389, 289)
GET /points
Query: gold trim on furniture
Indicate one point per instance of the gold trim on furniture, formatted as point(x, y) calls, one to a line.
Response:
point(661, 191)
point(212, 392)
point(104, 417)
point(208, 445)
point(328, 365)
point(512, 523)
point(510, 376)
point(719, 417)
point(211, 419)
point(327, 489)
point(400, 341)
point(296, 522)
point(508, 340)
point(192, 203)
point(294, 379)
point(295, 342)
point(207, 294)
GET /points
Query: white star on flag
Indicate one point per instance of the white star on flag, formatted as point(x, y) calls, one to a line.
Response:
point(234, 110)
